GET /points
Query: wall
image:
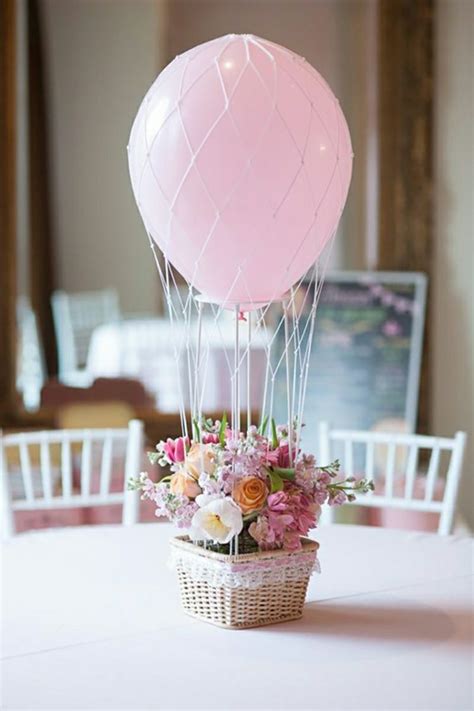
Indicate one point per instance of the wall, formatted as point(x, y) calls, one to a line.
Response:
point(101, 57)
point(453, 293)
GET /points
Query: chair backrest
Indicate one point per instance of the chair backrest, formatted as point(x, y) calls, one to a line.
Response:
point(31, 369)
point(75, 318)
point(47, 463)
point(392, 461)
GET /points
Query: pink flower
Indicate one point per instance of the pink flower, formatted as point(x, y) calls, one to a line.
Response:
point(338, 499)
point(291, 510)
point(148, 489)
point(210, 438)
point(175, 449)
point(279, 523)
point(279, 457)
point(278, 514)
point(291, 541)
point(305, 514)
point(277, 502)
point(263, 533)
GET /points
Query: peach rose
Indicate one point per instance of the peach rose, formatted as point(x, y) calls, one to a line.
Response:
point(200, 458)
point(183, 483)
point(250, 493)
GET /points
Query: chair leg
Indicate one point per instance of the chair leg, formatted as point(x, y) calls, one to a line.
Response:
point(133, 461)
point(6, 511)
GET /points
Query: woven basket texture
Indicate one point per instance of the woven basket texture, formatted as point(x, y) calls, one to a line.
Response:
point(244, 607)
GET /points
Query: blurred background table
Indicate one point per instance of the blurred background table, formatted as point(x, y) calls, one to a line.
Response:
point(145, 349)
point(91, 619)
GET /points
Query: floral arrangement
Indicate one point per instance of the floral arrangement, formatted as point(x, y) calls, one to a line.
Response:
point(259, 488)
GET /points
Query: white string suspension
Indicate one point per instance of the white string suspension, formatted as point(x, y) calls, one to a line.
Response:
point(211, 353)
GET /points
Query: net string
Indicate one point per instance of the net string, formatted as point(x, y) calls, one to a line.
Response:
point(297, 338)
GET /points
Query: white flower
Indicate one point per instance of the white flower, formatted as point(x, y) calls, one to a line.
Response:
point(218, 521)
point(204, 499)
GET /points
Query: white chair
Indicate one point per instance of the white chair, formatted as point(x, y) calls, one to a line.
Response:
point(392, 460)
point(31, 369)
point(46, 464)
point(75, 318)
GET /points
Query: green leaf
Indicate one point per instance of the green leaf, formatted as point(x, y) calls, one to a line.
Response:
point(153, 457)
point(251, 516)
point(134, 484)
point(197, 431)
point(274, 434)
point(263, 426)
point(222, 430)
point(285, 473)
point(275, 480)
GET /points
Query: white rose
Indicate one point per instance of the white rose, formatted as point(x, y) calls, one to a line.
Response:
point(218, 521)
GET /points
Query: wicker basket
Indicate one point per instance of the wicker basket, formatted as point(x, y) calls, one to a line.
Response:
point(242, 591)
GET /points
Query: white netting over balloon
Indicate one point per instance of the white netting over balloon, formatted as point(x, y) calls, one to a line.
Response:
point(240, 161)
point(255, 361)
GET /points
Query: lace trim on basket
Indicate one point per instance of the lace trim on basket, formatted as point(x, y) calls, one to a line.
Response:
point(254, 574)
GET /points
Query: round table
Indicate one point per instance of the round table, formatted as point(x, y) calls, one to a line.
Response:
point(91, 620)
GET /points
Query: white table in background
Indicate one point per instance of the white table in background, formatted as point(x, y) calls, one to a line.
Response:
point(145, 349)
point(91, 620)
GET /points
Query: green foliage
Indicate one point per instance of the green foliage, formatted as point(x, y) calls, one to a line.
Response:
point(276, 481)
point(263, 426)
point(285, 473)
point(196, 430)
point(222, 430)
point(274, 434)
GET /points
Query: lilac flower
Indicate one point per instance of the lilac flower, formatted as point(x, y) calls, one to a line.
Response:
point(337, 499)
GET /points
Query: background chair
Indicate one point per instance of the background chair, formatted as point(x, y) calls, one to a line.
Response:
point(47, 462)
point(393, 462)
point(31, 369)
point(55, 394)
point(75, 318)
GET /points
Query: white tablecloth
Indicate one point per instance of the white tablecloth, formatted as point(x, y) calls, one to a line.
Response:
point(147, 349)
point(91, 620)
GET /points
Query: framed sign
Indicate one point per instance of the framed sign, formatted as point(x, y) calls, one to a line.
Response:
point(365, 362)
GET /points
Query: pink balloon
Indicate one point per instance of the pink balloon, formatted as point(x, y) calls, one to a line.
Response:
point(240, 160)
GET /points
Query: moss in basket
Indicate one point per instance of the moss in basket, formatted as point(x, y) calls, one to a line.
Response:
point(247, 544)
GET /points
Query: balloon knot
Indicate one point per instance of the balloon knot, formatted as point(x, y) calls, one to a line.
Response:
point(242, 316)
